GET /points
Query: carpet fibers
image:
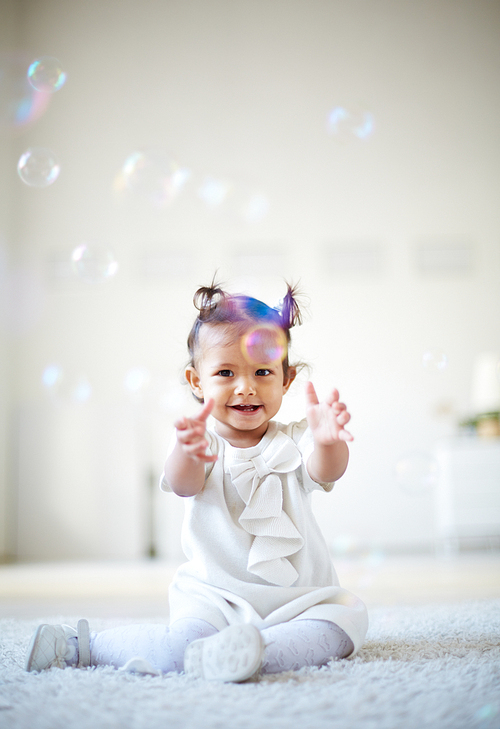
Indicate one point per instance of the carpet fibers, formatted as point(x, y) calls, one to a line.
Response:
point(434, 666)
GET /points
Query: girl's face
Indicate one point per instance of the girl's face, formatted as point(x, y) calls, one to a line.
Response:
point(246, 397)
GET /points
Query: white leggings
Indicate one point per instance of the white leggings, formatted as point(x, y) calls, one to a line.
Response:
point(289, 646)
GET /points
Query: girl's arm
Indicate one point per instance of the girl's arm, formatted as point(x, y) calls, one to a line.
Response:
point(185, 466)
point(329, 459)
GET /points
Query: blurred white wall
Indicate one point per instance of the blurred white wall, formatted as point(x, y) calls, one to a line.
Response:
point(395, 238)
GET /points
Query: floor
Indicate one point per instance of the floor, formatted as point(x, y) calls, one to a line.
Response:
point(140, 589)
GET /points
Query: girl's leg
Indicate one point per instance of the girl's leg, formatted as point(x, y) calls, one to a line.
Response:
point(298, 643)
point(161, 646)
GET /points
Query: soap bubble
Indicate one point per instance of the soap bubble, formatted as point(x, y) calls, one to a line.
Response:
point(154, 175)
point(137, 380)
point(38, 167)
point(51, 376)
point(94, 263)
point(82, 389)
point(345, 124)
point(485, 714)
point(64, 386)
point(263, 344)
point(416, 472)
point(46, 74)
point(435, 361)
point(214, 192)
point(20, 104)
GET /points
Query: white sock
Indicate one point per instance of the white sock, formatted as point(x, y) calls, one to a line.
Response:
point(162, 646)
point(298, 643)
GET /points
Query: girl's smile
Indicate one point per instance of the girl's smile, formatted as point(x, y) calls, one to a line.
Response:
point(246, 396)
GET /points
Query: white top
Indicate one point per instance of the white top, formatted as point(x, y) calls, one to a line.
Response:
point(255, 551)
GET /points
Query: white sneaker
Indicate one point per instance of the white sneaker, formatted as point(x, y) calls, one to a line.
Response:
point(234, 654)
point(50, 647)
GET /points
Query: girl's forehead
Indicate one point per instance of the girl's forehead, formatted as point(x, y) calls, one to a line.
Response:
point(222, 335)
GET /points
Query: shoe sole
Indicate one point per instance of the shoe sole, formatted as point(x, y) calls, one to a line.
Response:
point(233, 655)
point(32, 647)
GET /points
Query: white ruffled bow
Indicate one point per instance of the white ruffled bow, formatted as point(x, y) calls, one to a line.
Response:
point(275, 536)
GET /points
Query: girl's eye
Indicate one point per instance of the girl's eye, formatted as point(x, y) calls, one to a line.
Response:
point(225, 373)
point(263, 373)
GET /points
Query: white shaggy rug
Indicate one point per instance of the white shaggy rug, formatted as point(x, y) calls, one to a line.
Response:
point(421, 668)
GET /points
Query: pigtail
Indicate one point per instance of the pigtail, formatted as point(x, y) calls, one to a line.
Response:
point(207, 299)
point(291, 314)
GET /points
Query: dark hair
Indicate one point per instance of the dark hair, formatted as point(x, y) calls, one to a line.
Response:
point(216, 306)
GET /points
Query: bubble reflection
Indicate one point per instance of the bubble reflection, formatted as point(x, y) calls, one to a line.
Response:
point(20, 104)
point(94, 263)
point(153, 175)
point(38, 167)
point(264, 344)
point(64, 386)
point(435, 361)
point(214, 192)
point(345, 123)
point(46, 74)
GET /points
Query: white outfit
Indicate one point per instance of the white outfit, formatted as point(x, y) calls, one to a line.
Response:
point(255, 551)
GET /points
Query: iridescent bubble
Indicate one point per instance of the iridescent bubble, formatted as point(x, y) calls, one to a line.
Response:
point(82, 389)
point(417, 472)
point(485, 714)
point(435, 361)
point(46, 74)
point(263, 344)
point(155, 176)
point(51, 376)
point(38, 167)
point(137, 379)
point(214, 192)
point(94, 263)
point(348, 123)
point(20, 104)
point(66, 387)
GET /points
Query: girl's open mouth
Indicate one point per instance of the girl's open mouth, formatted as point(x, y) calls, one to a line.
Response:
point(246, 408)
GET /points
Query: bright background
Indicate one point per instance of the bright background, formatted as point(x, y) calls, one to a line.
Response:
point(392, 227)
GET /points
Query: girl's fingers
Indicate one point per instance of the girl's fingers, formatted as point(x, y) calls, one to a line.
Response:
point(333, 397)
point(197, 451)
point(343, 418)
point(209, 458)
point(345, 435)
point(206, 410)
point(311, 397)
point(187, 423)
point(196, 447)
point(180, 424)
point(193, 432)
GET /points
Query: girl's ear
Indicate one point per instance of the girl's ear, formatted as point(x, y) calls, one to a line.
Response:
point(287, 381)
point(194, 382)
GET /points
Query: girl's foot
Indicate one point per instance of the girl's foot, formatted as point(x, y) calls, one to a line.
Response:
point(51, 645)
point(234, 654)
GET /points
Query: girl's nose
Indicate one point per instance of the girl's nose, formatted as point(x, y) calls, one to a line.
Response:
point(245, 386)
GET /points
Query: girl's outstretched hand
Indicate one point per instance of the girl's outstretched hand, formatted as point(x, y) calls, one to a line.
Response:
point(191, 434)
point(328, 418)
